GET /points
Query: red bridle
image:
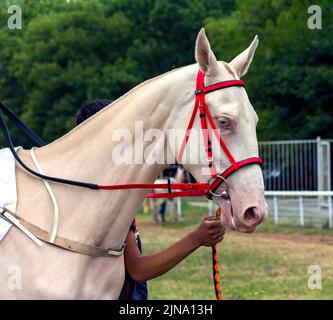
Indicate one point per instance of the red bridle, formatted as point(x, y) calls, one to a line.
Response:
point(200, 103)
point(198, 189)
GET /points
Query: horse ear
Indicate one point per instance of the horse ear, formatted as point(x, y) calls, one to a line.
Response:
point(242, 62)
point(204, 55)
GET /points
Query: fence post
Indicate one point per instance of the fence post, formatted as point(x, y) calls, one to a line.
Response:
point(301, 211)
point(319, 165)
point(276, 210)
point(330, 213)
point(179, 207)
point(329, 175)
point(210, 208)
point(320, 173)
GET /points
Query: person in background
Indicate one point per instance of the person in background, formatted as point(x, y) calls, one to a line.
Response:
point(179, 176)
point(141, 268)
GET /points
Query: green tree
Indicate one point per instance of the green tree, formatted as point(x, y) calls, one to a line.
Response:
point(72, 51)
point(290, 81)
point(77, 50)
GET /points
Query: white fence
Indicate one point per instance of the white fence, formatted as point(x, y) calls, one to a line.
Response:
point(297, 176)
point(291, 165)
point(303, 208)
point(299, 208)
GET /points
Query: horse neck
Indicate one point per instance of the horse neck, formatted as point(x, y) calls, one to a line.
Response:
point(86, 152)
point(153, 103)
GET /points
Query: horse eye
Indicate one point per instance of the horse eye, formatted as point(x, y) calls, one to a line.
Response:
point(224, 122)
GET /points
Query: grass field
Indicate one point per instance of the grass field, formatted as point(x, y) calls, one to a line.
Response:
point(270, 264)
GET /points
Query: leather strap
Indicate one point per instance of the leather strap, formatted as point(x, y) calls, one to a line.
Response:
point(71, 245)
point(51, 194)
point(21, 126)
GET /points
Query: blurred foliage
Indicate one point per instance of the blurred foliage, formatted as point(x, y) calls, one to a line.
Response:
point(291, 79)
point(69, 51)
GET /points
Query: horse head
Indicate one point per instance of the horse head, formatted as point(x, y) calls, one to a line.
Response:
point(235, 119)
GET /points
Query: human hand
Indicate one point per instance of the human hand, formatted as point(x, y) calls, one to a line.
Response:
point(209, 232)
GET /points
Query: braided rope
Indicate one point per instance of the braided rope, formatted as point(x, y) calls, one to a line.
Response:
point(215, 259)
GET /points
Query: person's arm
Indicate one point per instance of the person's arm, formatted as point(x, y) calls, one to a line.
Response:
point(142, 268)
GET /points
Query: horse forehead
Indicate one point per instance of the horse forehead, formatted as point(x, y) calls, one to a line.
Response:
point(226, 72)
point(232, 100)
point(235, 99)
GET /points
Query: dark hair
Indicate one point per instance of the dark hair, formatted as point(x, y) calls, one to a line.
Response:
point(89, 108)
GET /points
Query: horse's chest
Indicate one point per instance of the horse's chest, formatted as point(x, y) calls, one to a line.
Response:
point(52, 273)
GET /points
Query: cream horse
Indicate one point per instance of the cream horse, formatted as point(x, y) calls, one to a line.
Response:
point(103, 217)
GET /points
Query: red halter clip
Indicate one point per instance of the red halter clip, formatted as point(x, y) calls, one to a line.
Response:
point(200, 103)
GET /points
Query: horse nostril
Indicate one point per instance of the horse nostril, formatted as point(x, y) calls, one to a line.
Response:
point(251, 214)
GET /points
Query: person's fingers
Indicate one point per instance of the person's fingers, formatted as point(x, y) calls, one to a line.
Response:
point(211, 226)
point(217, 234)
point(209, 218)
point(217, 239)
point(221, 230)
point(215, 225)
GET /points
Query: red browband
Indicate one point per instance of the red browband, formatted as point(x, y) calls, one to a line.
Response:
point(221, 85)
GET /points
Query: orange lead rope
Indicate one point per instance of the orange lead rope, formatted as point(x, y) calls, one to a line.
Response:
point(215, 260)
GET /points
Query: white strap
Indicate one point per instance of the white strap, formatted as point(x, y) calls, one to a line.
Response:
point(53, 198)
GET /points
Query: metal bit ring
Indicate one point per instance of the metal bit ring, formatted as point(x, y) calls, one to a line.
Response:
point(224, 193)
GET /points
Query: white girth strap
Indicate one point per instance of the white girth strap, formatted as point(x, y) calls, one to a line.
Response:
point(53, 198)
